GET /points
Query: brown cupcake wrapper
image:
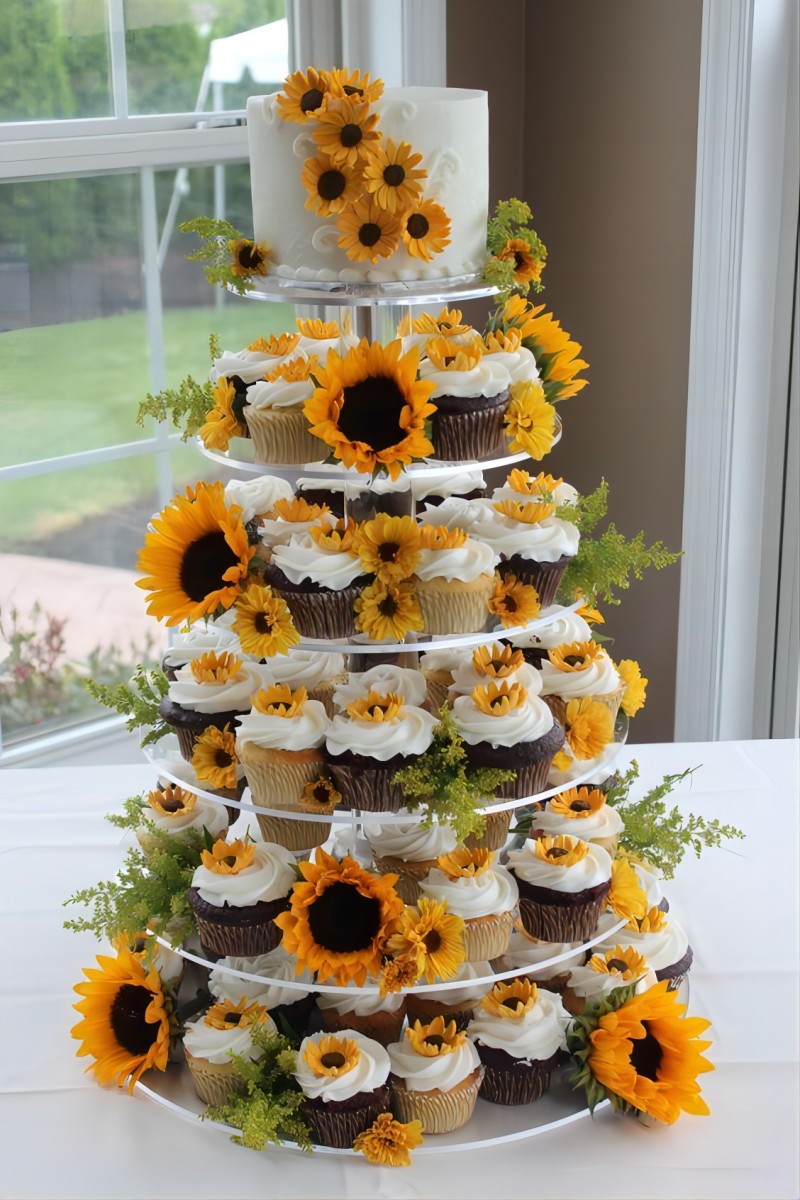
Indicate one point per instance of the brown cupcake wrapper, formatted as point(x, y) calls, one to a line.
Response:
point(560, 917)
point(367, 788)
point(439, 1112)
point(339, 1125)
point(456, 608)
point(423, 1008)
point(383, 1027)
point(486, 938)
point(459, 436)
point(609, 700)
point(544, 576)
point(277, 779)
point(324, 692)
point(214, 1082)
point(438, 695)
point(281, 435)
point(530, 760)
point(522, 1083)
point(410, 875)
point(495, 832)
point(242, 932)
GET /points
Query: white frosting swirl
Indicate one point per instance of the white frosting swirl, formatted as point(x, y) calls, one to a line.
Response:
point(443, 1071)
point(591, 826)
point(468, 995)
point(384, 678)
point(341, 343)
point(466, 678)
point(217, 1045)
point(306, 668)
point(200, 639)
point(410, 732)
point(459, 484)
point(278, 964)
point(304, 731)
point(546, 541)
point(520, 363)
point(232, 696)
point(563, 493)
point(530, 721)
point(524, 952)
point(465, 563)
point(454, 513)
point(411, 842)
point(256, 496)
point(249, 365)
point(486, 378)
point(279, 393)
point(650, 882)
point(533, 1037)
point(435, 661)
point(370, 1072)
point(301, 558)
point(274, 531)
point(591, 985)
point(358, 1004)
point(592, 870)
point(269, 876)
point(493, 891)
point(568, 627)
point(204, 814)
point(662, 949)
point(599, 678)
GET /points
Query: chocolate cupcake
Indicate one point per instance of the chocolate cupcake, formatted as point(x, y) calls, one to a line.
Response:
point(377, 1017)
point(235, 895)
point(343, 1078)
point(452, 1003)
point(471, 398)
point(277, 967)
point(659, 939)
point(535, 547)
point(320, 579)
point(213, 690)
point(519, 1034)
point(563, 883)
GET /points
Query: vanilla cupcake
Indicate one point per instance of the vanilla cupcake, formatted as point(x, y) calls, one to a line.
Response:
point(180, 813)
point(237, 891)
point(343, 1078)
point(660, 939)
point(471, 398)
point(484, 895)
point(435, 1076)
point(376, 1016)
point(409, 851)
point(244, 367)
point(366, 746)
point(531, 543)
point(274, 414)
point(563, 626)
point(437, 667)
point(563, 883)
point(212, 690)
point(453, 580)
point(277, 967)
point(452, 1003)
point(604, 973)
point(210, 1041)
point(384, 678)
point(520, 1034)
point(533, 957)
point(280, 745)
point(578, 671)
point(580, 812)
point(320, 577)
point(257, 496)
point(317, 671)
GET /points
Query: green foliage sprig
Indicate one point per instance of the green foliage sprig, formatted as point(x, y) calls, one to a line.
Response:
point(659, 837)
point(151, 891)
point(270, 1109)
point(442, 785)
point(512, 220)
point(186, 406)
point(216, 237)
point(139, 701)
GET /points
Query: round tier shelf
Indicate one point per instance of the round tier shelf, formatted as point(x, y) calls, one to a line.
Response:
point(432, 472)
point(490, 1125)
point(357, 294)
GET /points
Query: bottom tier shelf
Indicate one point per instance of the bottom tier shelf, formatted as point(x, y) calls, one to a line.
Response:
point(490, 1125)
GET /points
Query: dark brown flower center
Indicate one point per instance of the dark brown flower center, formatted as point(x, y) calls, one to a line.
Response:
point(393, 175)
point(574, 660)
point(513, 1002)
point(388, 551)
point(434, 1039)
point(617, 964)
point(262, 623)
point(351, 135)
point(321, 794)
point(369, 233)
point(450, 358)
point(510, 603)
point(432, 941)
point(173, 805)
point(333, 1059)
point(232, 1018)
point(556, 852)
point(519, 260)
point(349, 90)
point(311, 100)
point(127, 1019)
point(646, 1054)
point(342, 920)
point(417, 225)
point(250, 257)
point(388, 607)
point(229, 860)
point(139, 944)
point(204, 564)
point(331, 184)
point(222, 758)
point(371, 412)
point(580, 806)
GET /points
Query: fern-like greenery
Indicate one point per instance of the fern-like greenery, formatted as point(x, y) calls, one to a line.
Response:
point(151, 890)
point(270, 1109)
point(138, 701)
point(441, 784)
point(216, 237)
point(186, 406)
point(659, 837)
point(609, 560)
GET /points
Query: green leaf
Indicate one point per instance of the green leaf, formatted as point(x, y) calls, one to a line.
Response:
point(138, 701)
point(186, 406)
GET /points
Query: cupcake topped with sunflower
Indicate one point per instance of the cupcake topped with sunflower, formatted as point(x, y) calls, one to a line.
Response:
point(563, 884)
point(385, 678)
point(217, 683)
point(658, 938)
point(318, 337)
point(283, 719)
point(482, 893)
point(522, 487)
point(197, 639)
point(581, 669)
point(177, 811)
point(506, 350)
point(461, 369)
point(243, 368)
point(582, 812)
point(416, 332)
point(606, 970)
point(435, 1057)
point(501, 715)
point(226, 1029)
point(242, 874)
point(381, 727)
point(291, 518)
point(343, 1077)
point(493, 663)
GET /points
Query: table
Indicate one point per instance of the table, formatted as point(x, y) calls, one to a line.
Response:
point(61, 1135)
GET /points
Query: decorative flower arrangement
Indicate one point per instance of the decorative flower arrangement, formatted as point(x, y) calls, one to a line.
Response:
point(518, 255)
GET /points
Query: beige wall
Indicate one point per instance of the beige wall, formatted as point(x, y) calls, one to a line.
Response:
point(593, 118)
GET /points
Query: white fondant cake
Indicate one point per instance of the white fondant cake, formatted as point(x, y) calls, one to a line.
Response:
point(448, 126)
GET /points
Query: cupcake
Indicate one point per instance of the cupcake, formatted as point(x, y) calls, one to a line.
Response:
point(344, 1083)
point(318, 337)
point(436, 1073)
point(437, 667)
point(563, 626)
point(452, 1003)
point(280, 745)
point(471, 398)
point(213, 690)
point(519, 1033)
point(244, 367)
point(290, 518)
point(366, 746)
point(274, 414)
point(505, 726)
point(453, 580)
point(378, 1017)
point(563, 882)
point(418, 331)
point(578, 671)
point(320, 578)
point(505, 349)
point(532, 957)
point(295, 1005)
point(409, 851)
point(237, 891)
point(532, 545)
point(322, 490)
point(210, 1041)
point(180, 813)
point(484, 895)
point(317, 671)
point(384, 678)
point(658, 938)
point(580, 812)
point(605, 972)
point(203, 637)
point(256, 497)
point(468, 484)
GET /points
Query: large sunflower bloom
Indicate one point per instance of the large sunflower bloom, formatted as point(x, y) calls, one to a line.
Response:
point(388, 611)
point(367, 231)
point(387, 1141)
point(556, 356)
point(425, 230)
point(195, 556)
point(347, 131)
point(433, 936)
point(339, 919)
point(222, 422)
point(392, 176)
point(125, 1024)
point(370, 408)
point(635, 693)
point(264, 623)
point(530, 421)
point(388, 546)
point(648, 1055)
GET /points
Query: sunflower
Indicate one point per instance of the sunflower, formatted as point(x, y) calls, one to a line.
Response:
point(561, 851)
point(435, 1039)
point(514, 602)
point(279, 700)
point(173, 800)
point(556, 355)
point(388, 546)
point(222, 423)
point(521, 315)
point(367, 231)
point(352, 83)
point(572, 657)
point(430, 936)
point(527, 266)
point(530, 421)
point(542, 486)
point(495, 700)
point(621, 961)
point(447, 355)
point(297, 510)
point(195, 556)
point(215, 668)
point(439, 537)
point(126, 1023)
point(228, 858)
point(347, 131)
point(304, 96)
point(425, 230)
point(264, 623)
point(388, 1141)
point(214, 758)
point(375, 707)
point(529, 512)
point(330, 186)
point(462, 863)
point(329, 1056)
point(392, 176)
point(592, 616)
point(627, 897)
point(320, 331)
point(635, 693)
point(388, 611)
point(295, 370)
point(339, 538)
point(320, 796)
point(577, 803)
point(277, 345)
point(589, 727)
point(498, 341)
point(648, 1055)
point(339, 919)
point(511, 999)
point(248, 257)
point(496, 661)
point(227, 1015)
point(371, 409)
point(398, 973)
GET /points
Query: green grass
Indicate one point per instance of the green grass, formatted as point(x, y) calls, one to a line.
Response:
point(65, 388)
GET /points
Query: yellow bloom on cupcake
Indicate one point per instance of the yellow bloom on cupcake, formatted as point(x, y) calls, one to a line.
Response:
point(530, 420)
point(633, 697)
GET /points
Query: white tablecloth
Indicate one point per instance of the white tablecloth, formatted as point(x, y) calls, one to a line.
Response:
point(61, 1135)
